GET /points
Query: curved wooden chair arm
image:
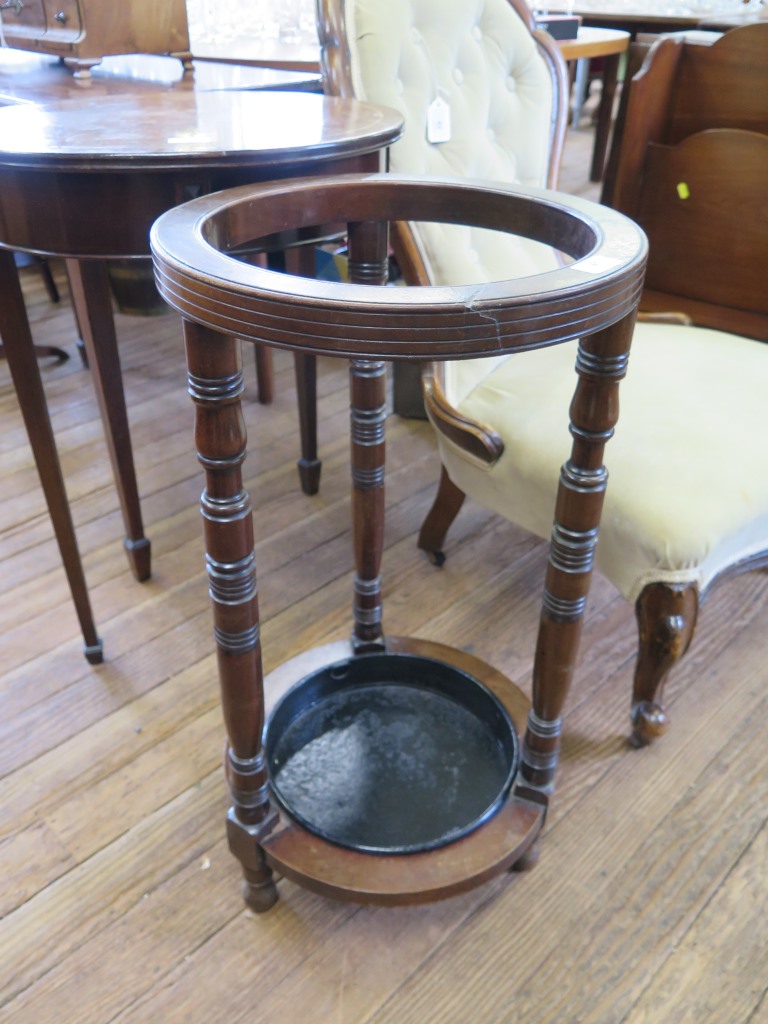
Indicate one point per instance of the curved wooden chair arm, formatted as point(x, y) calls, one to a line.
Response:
point(475, 438)
point(334, 50)
point(408, 254)
point(665, 318)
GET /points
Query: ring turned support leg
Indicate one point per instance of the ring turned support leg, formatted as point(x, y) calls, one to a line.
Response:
point(601, 363)
point(216, 386)
point(300, 260)
point(368, 244)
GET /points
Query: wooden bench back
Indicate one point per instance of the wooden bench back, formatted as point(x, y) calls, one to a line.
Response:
point(691, 166)
point(683, 87)
point(702, 204)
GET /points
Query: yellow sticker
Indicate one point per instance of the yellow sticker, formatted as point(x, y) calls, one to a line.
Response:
point(683, 191)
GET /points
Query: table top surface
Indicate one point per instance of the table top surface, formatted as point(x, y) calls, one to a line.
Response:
point(177, 129)
point(39, 78)
point(594, 42)
point(305, 53)
point(302, 55)
point(632, 13)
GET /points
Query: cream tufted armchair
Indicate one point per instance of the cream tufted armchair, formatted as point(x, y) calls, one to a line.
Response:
point(671, 523)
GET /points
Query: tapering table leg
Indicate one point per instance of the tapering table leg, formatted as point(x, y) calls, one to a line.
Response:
point(300, 260)
point(601, 363)
point(604, 115)
point(90, 291)
point(22, 362)
point(216, 386)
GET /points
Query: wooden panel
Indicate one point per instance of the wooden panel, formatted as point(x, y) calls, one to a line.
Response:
point(702, 206)
point(63, 18)
point(721, 86)
point(29, 18)
point(90, 29)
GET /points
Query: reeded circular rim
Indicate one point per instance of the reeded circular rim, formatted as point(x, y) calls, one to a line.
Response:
point(197, 274)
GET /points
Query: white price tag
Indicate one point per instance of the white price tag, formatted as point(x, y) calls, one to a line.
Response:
point(596, 265)
point(438, 121)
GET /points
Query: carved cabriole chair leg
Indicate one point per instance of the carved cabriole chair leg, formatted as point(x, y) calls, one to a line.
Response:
point(445, 508)
point(666, 619)
point(216, 386)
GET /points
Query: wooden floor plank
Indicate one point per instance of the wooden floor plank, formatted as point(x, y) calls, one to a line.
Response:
point(720, 969)
point(531, 956)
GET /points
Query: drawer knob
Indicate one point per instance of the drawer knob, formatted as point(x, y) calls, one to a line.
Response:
point(61, 17)
point(16, 6)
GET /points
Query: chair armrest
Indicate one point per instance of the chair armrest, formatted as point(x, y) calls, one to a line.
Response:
point(665, 318)
point(475, 438)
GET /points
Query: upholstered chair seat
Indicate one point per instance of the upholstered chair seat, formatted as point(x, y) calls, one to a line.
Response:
point(664, 520)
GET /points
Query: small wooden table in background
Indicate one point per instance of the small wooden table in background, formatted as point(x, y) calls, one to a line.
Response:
point(608, 44)
point(74, 187)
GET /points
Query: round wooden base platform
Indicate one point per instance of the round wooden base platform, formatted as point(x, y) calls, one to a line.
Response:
point(330, 870)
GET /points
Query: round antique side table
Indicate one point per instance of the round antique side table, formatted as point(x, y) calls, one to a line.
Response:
point(74, 187)
point(390, 769)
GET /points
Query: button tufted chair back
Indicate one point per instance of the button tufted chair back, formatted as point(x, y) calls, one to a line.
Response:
point(504, 85)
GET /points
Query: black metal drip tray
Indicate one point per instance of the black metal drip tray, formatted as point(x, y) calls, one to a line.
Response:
point(390, 753)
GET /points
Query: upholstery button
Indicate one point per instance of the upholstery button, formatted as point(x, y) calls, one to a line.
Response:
point(491, 134)
point(511, 83)
point(458, 76)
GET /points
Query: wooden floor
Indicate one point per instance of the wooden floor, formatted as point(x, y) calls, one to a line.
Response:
point(120, 902)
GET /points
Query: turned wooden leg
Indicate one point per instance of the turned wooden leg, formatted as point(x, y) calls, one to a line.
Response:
point(79, 307)
point(265, 374)
point(528, 861)
point(42, 351)
point(666, 619)
point(22, 362)
point(262, 356)
point(368, 413)
point(48, 281)
point(604, 115)
point(600, 364)
point(91, 296)
point(445, 508)
point(216, 385)
point(300, 260)
point(309, 466)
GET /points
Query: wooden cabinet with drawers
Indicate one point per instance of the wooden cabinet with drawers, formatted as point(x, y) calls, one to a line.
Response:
point(81, 32)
